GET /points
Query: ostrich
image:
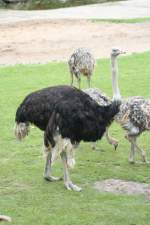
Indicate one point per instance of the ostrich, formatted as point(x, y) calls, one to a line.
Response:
point(67, 116)
point(102, 99)
point(5, 218)
point(134, 115)
point(81, 62)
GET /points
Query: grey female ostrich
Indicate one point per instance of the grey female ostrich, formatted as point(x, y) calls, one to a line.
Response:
point(67, 116)
point(102, 99)
point(81, 62)
point(134, 114)
point(134, 117)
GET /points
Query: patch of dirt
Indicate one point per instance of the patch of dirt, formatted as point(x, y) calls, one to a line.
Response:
point(123, 187)
point(41, 41)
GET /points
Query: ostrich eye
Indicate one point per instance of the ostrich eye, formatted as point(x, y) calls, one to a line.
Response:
point(115, 51)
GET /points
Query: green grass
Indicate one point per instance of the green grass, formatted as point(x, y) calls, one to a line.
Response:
point(135, 20)
point(26, 197)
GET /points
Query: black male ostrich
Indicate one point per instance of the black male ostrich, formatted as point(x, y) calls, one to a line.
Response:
point(67, 116)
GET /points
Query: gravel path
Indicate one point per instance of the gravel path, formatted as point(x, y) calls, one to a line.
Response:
point(122, 9)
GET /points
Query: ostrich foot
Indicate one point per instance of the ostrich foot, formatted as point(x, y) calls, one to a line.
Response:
point(93, 145)
point(111, 141)
point(126, 137)
point(114, 143)
point(143, 162)
point(144, 159)
point(139, 162)
point(51, 178)
point(70, 186)
point(131, 161)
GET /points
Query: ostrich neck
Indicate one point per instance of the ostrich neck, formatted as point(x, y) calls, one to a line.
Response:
point(115, 87)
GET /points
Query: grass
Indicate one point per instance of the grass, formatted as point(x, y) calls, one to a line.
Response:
point(135, 20)
point(26, 197)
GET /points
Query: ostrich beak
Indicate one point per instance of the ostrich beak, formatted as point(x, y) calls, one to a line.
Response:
point(122, 52)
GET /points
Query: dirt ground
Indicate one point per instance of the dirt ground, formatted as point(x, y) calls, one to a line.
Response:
point(41, 41)
point(123, 187)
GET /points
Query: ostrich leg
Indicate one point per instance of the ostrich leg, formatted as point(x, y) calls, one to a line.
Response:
point(47, 169)
point(77, 74)
point(111, 140)
point(68, 183)
point(141, 152)
point(93, 145)
point(79, 82)
point(134, 147)
point(71, 78)
point(132, 152)
point(89, 80)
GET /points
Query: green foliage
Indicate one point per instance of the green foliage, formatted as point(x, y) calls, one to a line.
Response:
point(26, 197)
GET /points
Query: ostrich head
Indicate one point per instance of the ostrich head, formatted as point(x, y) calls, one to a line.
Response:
point(116, 51)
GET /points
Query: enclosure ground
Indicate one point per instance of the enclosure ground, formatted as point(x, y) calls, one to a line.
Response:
point(123, 187)
point(43, 41)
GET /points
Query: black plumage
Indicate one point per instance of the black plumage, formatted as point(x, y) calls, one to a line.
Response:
point(77, 115)
point(67, 116)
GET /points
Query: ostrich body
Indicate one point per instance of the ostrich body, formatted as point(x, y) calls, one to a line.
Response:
point(67, 116)
point(81, 62)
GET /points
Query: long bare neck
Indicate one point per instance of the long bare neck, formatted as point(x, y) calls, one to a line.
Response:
point(114, 70)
